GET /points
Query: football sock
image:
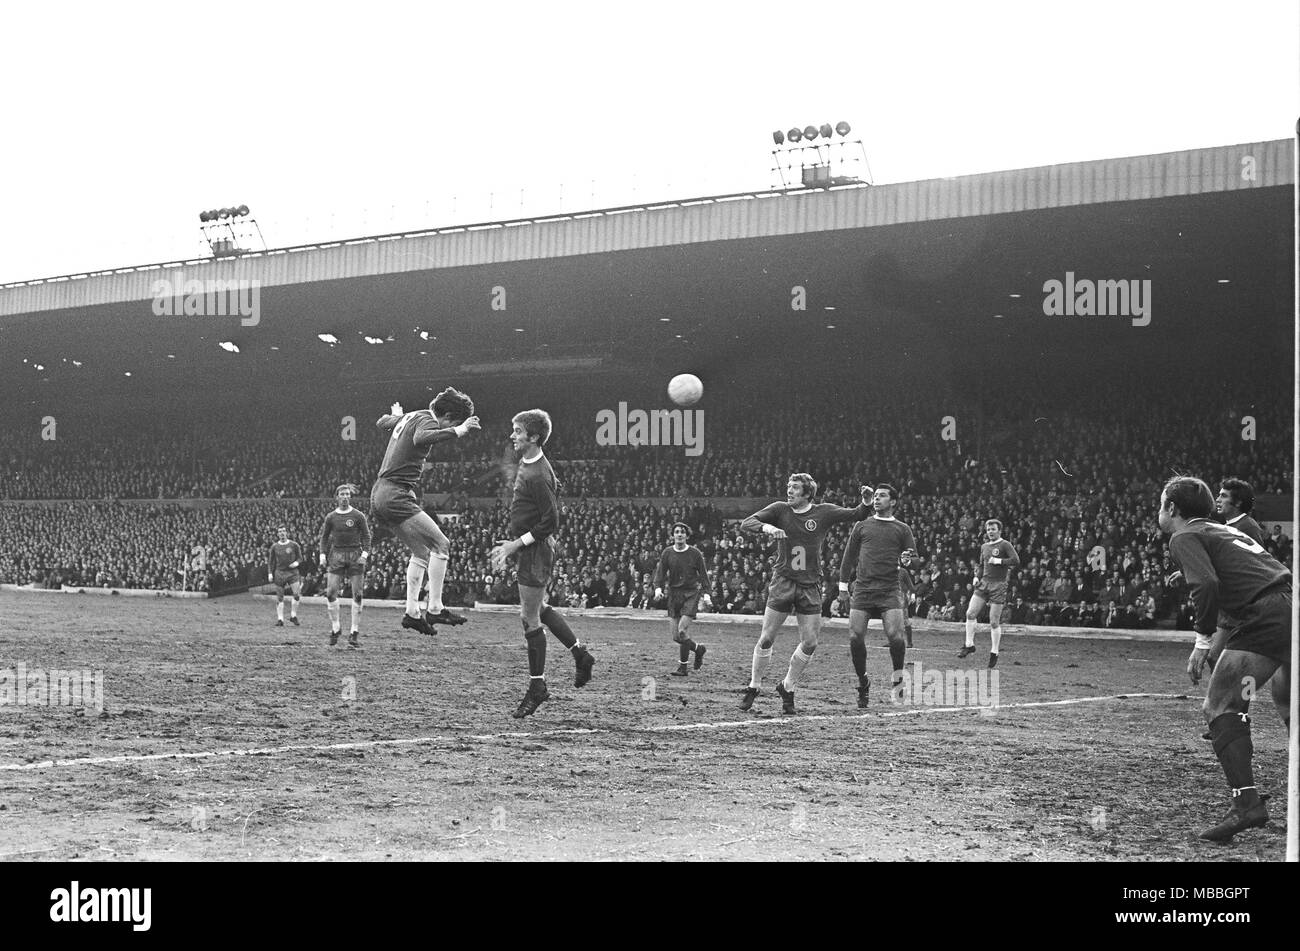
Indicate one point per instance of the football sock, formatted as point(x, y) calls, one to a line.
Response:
point(798, 663)
point(332, 608)
point(279, 610)
point(689, 644)
point(970, 633)
point(683, 653)
point(762, 658)
point(898, 653)
point(1230, 733)
point(414, 581)
point(356, 615)
point(858, 651)
point(293, 608)
point(437, 575)
point(554, 620)
point(996, 633)
point(536, 641)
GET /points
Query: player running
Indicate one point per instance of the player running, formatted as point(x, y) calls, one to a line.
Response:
point(283, 560)
point(344, 547)
point(394, 498)
point(1228, 570)
point(534, 519)
point(876, 547)
point(799, 525)
point(681, 567)
point(997, 558)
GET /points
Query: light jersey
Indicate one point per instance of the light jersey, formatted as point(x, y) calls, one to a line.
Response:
point(408, 446)
point(1225, 568)
point(798, 555)
point(872, 553)
point(992, 574)
point(284, 554)
point(683, 569)
point(348, 529)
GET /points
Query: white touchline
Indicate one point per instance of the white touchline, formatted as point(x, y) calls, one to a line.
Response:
point(574, 731)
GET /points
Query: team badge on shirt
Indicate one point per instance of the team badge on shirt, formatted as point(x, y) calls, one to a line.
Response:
point(810, 524)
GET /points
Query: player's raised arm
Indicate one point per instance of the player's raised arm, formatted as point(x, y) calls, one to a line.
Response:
point(429, 431)
point(862, 510)
point(1011, 560)
point(1188, 550)
point(764, 520)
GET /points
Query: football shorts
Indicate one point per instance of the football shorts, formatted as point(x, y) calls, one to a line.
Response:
point(1265, 626)
point(994, 592)
point(392, 504)
point(286, 577)
point(788, 596)
point(683, 602)
point(346, 561)
point(534, 563)
point(876, 600)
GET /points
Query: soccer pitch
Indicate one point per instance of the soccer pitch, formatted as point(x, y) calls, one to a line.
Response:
point(223, 738)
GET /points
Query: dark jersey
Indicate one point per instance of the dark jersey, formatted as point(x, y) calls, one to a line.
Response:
point(998, 549)
point(682, 569)
point(872, 553)
point(348, 529)
point(533, 508)
point(798, 555)
point(408, 446)
point(1226, 569)
point(284, 554)
point(1246, 524)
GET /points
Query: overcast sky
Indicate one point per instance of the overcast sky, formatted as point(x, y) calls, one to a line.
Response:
point(123, 121)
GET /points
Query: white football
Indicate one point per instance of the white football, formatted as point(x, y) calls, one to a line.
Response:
point(685, 389)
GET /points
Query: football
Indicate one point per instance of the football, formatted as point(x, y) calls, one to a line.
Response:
point(685, 389)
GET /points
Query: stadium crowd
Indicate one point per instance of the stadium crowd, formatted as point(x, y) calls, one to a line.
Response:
point(1019, 439)
point(1087, 561)
point(1074, 485)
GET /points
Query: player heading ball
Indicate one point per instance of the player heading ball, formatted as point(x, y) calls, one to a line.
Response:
point(394, 499)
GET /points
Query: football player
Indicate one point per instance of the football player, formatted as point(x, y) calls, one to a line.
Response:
point(997, 558)
point(283, 560)
point(344, 547)
point(1229, 571)
point(682, 570)
point(800, 526)
point(394, 499)
point(534, 519)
